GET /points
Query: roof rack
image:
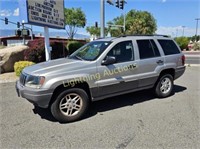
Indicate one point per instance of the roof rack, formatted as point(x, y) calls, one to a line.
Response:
point(144, 35)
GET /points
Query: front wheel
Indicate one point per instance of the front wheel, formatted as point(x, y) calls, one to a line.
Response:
point(70, 105)
point(164, 86)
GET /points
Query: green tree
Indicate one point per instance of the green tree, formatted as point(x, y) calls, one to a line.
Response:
point(95, 30)
point(137, 22)
point(74, 18)
point(194, 38)
point(182, 42)
point(116, 31)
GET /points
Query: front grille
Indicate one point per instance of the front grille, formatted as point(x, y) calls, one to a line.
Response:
point(22, 78)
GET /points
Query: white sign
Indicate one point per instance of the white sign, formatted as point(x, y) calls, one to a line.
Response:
point(48, 13)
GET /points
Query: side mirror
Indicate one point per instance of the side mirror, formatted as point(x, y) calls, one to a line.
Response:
point(109, 60)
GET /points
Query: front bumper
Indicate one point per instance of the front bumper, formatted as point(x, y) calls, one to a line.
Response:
point(39, 97)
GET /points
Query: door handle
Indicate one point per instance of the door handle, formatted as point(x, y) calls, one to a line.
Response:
point(159, 62)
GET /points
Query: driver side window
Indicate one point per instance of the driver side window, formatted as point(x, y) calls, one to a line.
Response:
point(122, 51)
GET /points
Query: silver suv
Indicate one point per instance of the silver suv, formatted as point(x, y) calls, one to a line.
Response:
point(101, 69)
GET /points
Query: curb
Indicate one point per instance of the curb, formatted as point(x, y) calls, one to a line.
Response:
point(7, 81)
point(192, 65)
point(196, 56)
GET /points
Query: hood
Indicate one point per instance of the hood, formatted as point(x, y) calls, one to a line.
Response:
point(55, 66)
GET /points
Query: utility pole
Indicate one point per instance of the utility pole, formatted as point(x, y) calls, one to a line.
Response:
point(124, 22)
point(102, 23)
point(183, 30)
point(119, 4)
point(23, 29)
point(176, 32)
point(197, 19)
point(29, 28)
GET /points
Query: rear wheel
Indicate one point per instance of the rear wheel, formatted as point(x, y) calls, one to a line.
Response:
point(70, 105)
point(164, 86)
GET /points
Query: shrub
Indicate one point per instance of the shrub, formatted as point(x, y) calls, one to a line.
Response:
point(72, 46)
point(36, 51)
point(19, 66)
point(196, 46)
point(182, 42)
point(58, 49)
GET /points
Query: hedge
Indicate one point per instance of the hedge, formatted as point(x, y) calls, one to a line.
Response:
point(72, 46)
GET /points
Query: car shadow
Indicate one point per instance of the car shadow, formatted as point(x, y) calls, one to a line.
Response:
point(44, 113)
point(111, 103)
point(126, 100)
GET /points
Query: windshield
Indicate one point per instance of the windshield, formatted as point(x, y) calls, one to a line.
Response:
point(90, 51)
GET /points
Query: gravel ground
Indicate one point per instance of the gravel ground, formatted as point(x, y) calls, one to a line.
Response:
point(8, 77)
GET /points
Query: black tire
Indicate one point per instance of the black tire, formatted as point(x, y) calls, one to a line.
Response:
point(66, 109)
point(161, 90)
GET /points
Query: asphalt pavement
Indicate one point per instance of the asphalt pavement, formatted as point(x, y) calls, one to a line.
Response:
point(137, 120)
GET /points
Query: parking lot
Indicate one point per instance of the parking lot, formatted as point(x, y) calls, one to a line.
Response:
point(136, 120)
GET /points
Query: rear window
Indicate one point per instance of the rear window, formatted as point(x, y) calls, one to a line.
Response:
point(169, 47)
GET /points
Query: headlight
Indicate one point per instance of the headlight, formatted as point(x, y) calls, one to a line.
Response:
point(34, 81)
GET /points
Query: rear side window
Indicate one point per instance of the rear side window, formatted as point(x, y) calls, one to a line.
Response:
point(155, 48)
point(147, 49)
point(169, 47)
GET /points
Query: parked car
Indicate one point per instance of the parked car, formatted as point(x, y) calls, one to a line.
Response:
point(100, 69)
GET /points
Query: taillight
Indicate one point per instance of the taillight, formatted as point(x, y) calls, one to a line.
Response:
point(183, 59)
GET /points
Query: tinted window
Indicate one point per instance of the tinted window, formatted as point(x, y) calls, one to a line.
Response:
point(147, 49)
point(155, 48)
point(122, 51)
point(169, 47)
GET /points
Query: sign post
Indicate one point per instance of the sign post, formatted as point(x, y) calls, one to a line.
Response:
point(47, 45)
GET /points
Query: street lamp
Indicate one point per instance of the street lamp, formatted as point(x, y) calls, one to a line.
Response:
point(23, 23)
point(102, 16)
point(197, 19)
point(176, 32)
point(183, 30)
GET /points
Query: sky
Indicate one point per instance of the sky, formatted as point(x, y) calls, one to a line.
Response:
point(170, 15)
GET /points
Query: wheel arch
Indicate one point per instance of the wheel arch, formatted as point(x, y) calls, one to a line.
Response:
point(60, 88)
point(170, 71)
